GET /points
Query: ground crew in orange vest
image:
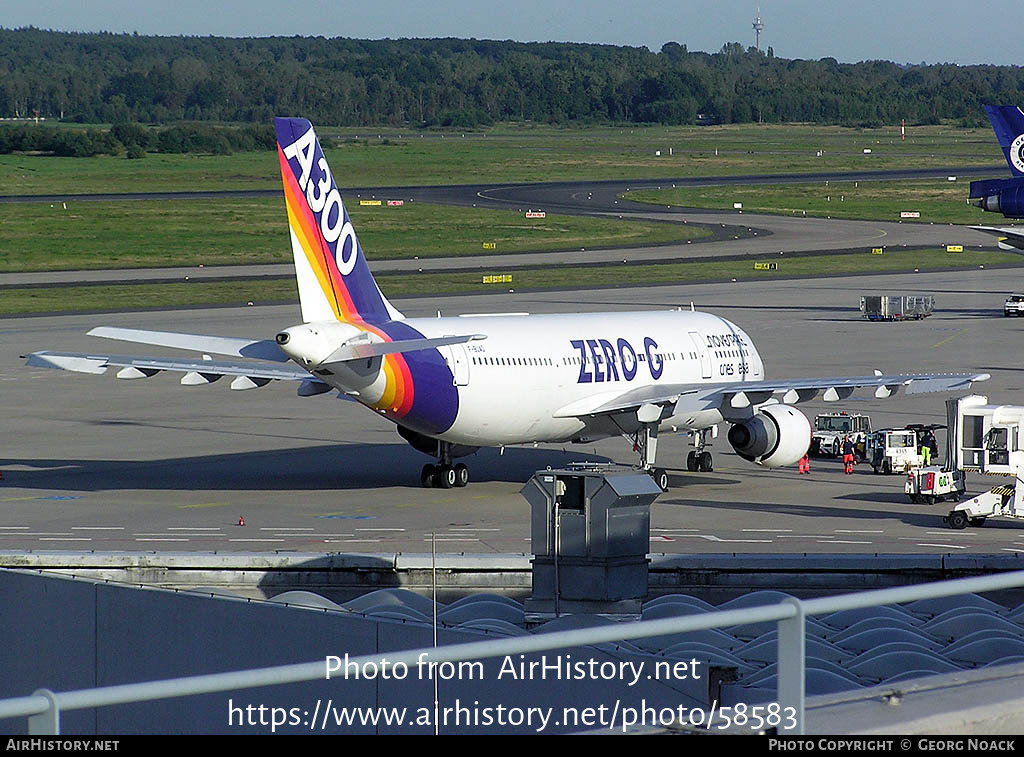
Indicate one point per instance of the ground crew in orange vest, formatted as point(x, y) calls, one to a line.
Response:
point(805, 461)
point(847, 455)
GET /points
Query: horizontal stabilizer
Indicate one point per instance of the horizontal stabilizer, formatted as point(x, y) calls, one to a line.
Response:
point(1010, 237)
point(90, 363)
point(258, 349)
point(364, 350)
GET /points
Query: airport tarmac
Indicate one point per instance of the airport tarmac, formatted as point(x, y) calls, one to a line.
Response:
point(93, 463)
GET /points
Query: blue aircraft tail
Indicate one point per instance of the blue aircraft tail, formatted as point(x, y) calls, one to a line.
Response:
point(1008, 123)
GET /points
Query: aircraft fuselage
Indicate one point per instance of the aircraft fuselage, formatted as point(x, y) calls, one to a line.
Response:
point(534, 377)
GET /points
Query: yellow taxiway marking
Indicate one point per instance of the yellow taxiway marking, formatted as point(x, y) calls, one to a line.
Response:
point(950, 338)
point(204, 504)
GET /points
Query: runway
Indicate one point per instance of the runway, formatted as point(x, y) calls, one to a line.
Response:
point(93, 463)
point(734, 233)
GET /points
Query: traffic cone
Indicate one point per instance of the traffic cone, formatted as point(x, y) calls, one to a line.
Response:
point(241, 520)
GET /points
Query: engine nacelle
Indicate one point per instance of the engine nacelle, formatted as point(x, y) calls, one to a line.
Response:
point(777, 435)
point(1004, 196)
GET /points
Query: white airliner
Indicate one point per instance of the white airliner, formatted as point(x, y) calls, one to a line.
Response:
point(452, 385)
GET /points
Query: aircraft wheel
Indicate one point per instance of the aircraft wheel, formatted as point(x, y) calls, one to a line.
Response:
point(427, 475)
point(691, 461)
point(958, 519)
point(461, 475)
point(660, 476)
point(446, 477)
point(706, 463)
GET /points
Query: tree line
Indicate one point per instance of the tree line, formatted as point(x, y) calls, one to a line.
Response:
point(121, 78)
point(135, 140)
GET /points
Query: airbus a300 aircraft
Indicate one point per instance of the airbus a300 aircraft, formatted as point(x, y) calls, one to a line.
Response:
point(452, 385)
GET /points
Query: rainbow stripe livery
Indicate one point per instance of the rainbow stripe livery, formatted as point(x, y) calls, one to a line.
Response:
point(334, 280)
point(335, 285)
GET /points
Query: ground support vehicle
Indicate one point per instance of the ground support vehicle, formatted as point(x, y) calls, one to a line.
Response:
point(929, 484)
point(892, 450)
point(1014, 305)
point(831, 428)
point(901, 307)
point(987, 439)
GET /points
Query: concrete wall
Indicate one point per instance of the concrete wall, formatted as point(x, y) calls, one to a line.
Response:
point(64, 634)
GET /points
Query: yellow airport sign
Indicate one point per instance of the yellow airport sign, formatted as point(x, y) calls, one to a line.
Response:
point(954, 248)
point(876, 250)
point(766, 266)
point(370, 202)
point(490, 245)
point(499, 278)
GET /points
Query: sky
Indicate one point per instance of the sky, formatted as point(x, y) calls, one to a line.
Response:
point(939, 31)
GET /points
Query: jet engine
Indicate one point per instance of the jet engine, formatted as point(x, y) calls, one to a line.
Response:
point(777, 435)
point(1004, 196)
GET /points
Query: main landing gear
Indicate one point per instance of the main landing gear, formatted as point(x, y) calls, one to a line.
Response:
point(645, 442)
point(444, 475)
point(700, 459)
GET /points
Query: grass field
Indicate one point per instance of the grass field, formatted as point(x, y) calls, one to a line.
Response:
point(937, 200)
point(98, 235)
point(371, 157)
point(118, 297)
point(132, 234)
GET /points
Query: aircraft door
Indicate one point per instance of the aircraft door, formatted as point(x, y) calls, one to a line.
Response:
point(458, 362)
point(702, 353)
point(997, 449)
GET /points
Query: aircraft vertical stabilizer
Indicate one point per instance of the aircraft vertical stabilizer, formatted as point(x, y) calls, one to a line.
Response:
point(1008, 124)
point(334, 280)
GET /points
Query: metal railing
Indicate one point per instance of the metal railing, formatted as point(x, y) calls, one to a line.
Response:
point(44, 707)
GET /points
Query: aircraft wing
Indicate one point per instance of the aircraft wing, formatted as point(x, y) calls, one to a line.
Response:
point(682, 398)
point(1010, 237)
